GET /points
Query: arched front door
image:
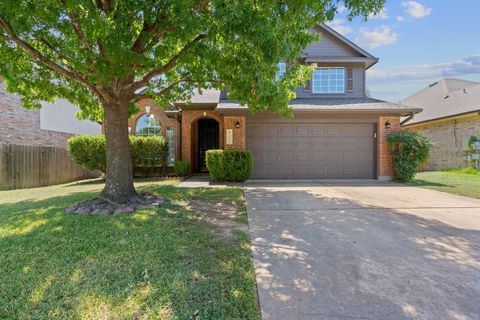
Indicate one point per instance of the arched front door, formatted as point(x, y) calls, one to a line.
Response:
point(208, 139)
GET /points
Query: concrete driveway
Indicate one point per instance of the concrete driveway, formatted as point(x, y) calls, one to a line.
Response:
point(364, 250)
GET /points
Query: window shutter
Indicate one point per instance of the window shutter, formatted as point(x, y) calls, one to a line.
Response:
point(308, 86)
point(349, 79)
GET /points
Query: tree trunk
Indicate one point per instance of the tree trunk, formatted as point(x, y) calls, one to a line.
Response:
point(119, 177)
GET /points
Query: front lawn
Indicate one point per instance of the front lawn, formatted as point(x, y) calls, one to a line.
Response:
point(167, 263)
point(464, 182)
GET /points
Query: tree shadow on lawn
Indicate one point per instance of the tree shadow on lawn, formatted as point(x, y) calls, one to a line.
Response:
point(158, 263)
point(426, 183)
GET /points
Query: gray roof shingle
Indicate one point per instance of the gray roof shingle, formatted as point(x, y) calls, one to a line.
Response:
point(336, 104)
point(445, 98)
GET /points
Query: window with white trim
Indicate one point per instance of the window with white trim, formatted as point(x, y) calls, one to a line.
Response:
point(328, 80)
point(170, 135)
point(148, 125)
point(281, 70)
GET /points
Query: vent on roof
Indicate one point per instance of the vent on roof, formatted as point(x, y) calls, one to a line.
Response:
point(446, 97)
point(433, 84)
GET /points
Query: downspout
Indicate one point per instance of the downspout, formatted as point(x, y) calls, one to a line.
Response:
point(410, 117)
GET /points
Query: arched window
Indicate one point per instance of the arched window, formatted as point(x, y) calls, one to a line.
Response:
point(148, 125)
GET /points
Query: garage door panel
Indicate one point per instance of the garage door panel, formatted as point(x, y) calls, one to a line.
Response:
point(308, 150)
point(270, 131)
point(287, 130)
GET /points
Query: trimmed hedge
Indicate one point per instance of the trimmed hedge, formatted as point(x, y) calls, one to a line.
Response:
point(147, 152)
point(409, 151)
point(88, 151)
point(182, 168)
point(230, 165)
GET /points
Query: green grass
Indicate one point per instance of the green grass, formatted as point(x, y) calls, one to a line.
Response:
point(464, 182)
point(156, 264)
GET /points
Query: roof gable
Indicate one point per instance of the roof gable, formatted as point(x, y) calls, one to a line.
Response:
point(333, 45)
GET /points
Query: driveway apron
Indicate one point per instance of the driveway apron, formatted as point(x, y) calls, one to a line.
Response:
point(364, 250)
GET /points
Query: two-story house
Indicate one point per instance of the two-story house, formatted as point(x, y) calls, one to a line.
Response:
point(336, 132)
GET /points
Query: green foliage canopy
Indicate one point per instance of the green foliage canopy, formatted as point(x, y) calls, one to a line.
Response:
point(94, 53)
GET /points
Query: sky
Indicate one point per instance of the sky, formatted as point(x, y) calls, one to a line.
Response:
point(418, 43)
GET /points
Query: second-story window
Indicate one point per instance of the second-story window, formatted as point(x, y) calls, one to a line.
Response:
point(328, 80)
point(281, 70)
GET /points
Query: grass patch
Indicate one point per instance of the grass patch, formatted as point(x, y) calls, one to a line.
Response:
point(468, 170)
point(156, 264)
point(464, 182)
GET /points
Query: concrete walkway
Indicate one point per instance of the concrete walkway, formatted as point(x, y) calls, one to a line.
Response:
point(204, 181)
point(364, 250)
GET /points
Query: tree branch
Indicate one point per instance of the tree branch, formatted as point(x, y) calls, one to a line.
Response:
point(166, 67)
point(104, 5)
point(141, 96)
point(159, 35)
point(36, 55)
point(76, 26)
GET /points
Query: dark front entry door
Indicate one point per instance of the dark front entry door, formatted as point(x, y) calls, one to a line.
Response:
point(208, 137)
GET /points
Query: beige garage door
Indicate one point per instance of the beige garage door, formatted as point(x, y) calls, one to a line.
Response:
point(311, 150)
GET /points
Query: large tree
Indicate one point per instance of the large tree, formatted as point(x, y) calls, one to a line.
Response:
point(103, 55)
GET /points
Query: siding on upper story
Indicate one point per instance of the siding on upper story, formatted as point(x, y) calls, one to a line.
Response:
point(329, 46)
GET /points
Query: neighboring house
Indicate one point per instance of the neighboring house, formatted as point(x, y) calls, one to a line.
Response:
point(336, 133)
point(33, 143)
point(450, 116)
point(51, 125)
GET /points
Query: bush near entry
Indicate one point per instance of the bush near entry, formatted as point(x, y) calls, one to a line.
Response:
point(230, 165)
point(409, 151)
point(182, 168)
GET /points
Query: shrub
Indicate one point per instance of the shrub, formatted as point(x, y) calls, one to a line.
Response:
point(215, 164)
point(230, 165)
point(182, 168)
point(147, 152)
point(409, 151)
point(88, 151)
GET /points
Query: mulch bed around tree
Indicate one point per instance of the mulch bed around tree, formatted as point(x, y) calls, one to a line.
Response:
point(105, 207)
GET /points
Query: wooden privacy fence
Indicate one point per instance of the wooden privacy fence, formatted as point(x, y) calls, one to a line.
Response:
point(33, 166)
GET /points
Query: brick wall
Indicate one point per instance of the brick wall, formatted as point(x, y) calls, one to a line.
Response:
point(450, 139)
point(22, 126)
point(239, 134)
point(384, 160)
point(165, 121)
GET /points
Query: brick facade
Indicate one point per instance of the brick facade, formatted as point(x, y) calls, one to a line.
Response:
point(239, 134)
point(165, 121)
point(22, 126)
point(189, 134)
point(450, 139)
point(384, 160)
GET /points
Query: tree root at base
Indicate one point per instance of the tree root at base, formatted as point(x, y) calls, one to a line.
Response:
point(105, 207)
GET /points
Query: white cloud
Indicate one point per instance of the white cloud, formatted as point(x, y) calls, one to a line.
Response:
point(339, 26)
point(377, 37)
point(341, 9)
point(416, 9)
point(382, 15)
point(468, 65)
point(399, 18)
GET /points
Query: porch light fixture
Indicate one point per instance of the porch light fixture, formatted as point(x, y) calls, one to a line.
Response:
point(237, 124)
point(388, 125)
point(129, 130)
point(147, 109)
